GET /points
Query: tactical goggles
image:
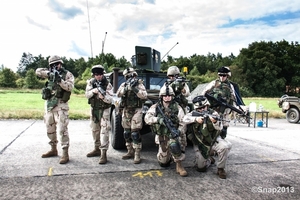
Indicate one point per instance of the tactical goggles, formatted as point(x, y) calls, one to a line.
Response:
point(223, 75)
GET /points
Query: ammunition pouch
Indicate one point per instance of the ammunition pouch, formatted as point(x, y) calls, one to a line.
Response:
point(46, 93)
point(66, 96)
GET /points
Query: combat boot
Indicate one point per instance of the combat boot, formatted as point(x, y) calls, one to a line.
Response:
point(65, 157)
point(221, 172)
point(130, 152)
point(137, 156)
point(94, 153)
point(103, 158)
point(179, 169)
point(51, 153)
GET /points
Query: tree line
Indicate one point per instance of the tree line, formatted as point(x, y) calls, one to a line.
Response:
point(263, 69)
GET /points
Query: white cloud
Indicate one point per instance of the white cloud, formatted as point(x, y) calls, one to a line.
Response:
point(47, 27)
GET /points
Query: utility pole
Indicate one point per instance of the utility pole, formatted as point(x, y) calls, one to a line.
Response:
point(102, 53)
point(87, 5)
point(169, 50)
point(103, 42)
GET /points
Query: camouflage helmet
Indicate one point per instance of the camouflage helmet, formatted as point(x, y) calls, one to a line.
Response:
point(173, 70)
point(200, 101)
point(129, 71)
point(54, 59)
point(98, 69)
point(166, 90)
point(224, 70)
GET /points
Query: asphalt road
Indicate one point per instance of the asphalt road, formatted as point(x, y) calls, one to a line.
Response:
point(263, 164)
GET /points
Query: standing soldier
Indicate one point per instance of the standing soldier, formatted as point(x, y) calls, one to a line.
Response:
point(223, 90)
point(133, 93)
point(99, 93)
point(57, 92)
point(180, 88)
point(204, 129)
point(165, 118)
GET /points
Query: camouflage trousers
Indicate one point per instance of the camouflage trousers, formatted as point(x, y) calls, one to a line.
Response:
point(101, 129)
point(132, 119)
point(57, 121)
point(222, 147)
point(164, 154)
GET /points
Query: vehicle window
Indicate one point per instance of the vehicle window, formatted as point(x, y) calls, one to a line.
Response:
point(157, 82)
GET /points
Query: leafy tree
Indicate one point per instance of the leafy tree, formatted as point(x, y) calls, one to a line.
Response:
point(7, 78)
point(31, 80)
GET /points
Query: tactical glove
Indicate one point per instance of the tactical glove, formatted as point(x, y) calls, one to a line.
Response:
point(160, 120)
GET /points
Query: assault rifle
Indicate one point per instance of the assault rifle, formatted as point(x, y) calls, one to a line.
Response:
point(99, 86)
point(169, 124)
point(54, 75)
point(131, 81)
point(205, 114)
point(220, 102)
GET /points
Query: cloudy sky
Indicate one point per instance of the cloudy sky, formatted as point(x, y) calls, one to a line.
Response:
point(61, 27)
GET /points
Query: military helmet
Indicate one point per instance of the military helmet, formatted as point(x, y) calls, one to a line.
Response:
point(98, 69)
point(200, 101)
point(54, 59)
point(129, 72)
point(224, 70)
point(173, 70)
point(166, 90)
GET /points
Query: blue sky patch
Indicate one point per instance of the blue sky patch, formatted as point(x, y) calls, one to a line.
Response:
point(270, 20)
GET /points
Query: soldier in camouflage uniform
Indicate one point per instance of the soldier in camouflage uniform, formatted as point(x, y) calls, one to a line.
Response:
point(204, 132)
point(221, 88)
point(133, 94)
point(169, 147)
point(99, 93)
point(180, 88)
point(57, 92)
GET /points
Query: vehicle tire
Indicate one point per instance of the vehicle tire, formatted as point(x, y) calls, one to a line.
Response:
point(116, 137)
point(292, 115)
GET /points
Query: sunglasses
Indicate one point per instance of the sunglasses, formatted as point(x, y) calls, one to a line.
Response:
point(97, 74)
point(54, 64)
point(223, 75)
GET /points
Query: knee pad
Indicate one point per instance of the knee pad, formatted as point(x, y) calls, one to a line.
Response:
point(136, 137)
point(175, 148)
point(127, 134)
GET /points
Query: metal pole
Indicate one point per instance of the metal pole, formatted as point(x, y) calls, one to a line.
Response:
point(103, 42)
point(87, 5)
point(169, 51)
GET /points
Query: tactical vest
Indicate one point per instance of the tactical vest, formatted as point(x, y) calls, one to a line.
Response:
point(131, 100)
point(203, 135)
point(223, 89)
point(172, 113)
point(53, 91)
point(95, 102)
point(179, 98)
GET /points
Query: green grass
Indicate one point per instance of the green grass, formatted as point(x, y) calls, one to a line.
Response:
point(28, 104)
point(269, 104)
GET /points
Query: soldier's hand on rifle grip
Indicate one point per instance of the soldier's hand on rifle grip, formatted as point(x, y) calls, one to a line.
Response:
point(101, 96)
point(160, 120)
point(95, 91)
point(199, 120)
point(212, 119)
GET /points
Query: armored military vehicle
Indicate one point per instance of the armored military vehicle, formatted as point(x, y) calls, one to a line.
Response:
point(290, 105)
point(146, 62)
